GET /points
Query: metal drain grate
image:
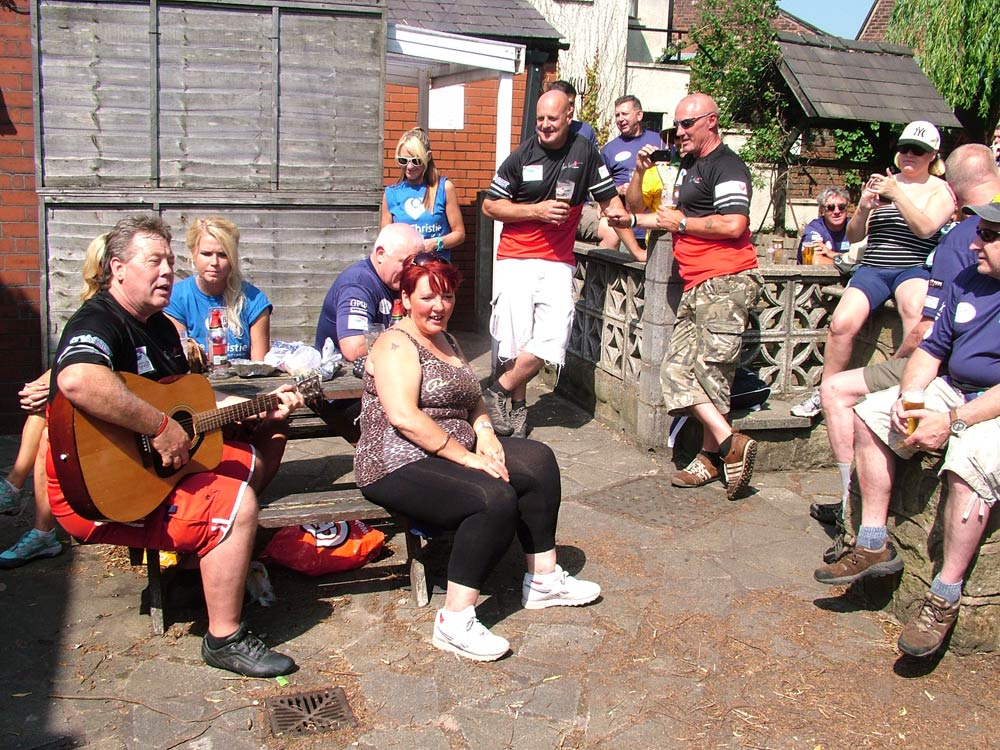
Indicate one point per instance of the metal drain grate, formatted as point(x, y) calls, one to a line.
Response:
point(309, 713)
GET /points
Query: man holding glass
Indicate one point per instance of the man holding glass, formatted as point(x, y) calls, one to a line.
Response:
point(961, 417)
point(538, 194)
point(710, 224)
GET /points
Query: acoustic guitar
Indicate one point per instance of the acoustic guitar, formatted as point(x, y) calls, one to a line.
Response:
point(110, 473)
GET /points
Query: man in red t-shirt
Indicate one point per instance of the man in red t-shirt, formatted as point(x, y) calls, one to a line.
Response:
point(716, 260)
point(538, 194)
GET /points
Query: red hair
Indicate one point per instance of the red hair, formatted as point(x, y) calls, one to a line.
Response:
point(443, 277)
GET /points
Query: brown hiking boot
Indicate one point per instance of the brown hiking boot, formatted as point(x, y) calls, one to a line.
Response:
point(924, 634)
point(737, 465)
point(859, 562)
point(698, 473)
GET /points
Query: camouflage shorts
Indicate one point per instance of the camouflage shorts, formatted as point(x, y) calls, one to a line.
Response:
point(704, 349)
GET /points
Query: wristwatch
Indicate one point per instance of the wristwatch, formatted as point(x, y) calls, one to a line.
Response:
point(682, 225)
point(957, 425)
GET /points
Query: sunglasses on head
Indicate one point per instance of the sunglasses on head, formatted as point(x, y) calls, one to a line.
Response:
point(831, 207)
point(686, 123)
point(403, 161)
point(910, 148)
point(422, 259)
point(987, 235)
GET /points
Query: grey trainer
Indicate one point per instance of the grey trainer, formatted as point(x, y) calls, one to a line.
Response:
point(498, 407)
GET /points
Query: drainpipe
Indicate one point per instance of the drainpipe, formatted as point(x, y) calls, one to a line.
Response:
point(534, 63)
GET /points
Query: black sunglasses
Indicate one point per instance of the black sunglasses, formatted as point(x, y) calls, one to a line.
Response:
point(422, 259)
point(836, 207)
point(402, 161)
point(987, 235)
point(690, 120)
point(913, 149)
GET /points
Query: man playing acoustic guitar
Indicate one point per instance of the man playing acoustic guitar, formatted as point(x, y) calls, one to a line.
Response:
point(211, 513)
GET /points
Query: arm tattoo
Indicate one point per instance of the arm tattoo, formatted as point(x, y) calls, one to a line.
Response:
point(709, 223)
point(394, 346)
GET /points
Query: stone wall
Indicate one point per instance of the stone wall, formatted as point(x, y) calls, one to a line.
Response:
point(915, 527)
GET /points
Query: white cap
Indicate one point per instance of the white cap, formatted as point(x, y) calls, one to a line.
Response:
point(921, 133)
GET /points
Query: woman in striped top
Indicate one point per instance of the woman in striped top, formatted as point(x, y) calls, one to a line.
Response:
point(901, 215)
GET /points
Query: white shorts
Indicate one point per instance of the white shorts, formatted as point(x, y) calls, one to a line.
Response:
point(972, 456)
point(532, 309)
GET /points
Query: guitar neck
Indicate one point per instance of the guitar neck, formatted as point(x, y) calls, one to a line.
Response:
point(215, 419)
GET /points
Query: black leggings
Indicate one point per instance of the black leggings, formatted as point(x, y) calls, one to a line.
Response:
point(484, 512)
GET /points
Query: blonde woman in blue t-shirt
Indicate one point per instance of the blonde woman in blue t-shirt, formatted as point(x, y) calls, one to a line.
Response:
point(423, 197)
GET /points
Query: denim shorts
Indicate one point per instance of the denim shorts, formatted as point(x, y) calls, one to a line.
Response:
point(878, 284)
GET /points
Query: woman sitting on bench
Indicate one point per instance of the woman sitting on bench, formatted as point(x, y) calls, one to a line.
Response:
point(428, 451)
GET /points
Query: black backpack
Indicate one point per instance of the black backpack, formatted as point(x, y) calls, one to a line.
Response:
point(748, 390)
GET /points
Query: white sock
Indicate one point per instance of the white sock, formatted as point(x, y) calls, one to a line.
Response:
point(845, 481)
point(529, 577)
point(463, 615)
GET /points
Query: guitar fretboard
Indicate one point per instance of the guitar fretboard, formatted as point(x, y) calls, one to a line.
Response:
point(207, 421)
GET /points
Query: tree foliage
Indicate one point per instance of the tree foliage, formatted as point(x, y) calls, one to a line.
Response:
point(957, 45)
point(737, 65)
point(588, 108)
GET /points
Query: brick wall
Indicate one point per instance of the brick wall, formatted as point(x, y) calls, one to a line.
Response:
point(20, 332)
point(467, 157)
point(878, 20)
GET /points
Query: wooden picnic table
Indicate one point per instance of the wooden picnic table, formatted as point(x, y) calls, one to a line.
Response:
point(304, 423)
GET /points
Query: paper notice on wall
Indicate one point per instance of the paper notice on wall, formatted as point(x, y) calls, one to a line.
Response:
point(447, 108)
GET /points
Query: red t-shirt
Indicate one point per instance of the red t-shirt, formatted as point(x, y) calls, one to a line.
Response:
point(718, 183)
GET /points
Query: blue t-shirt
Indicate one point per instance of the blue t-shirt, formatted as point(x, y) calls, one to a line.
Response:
point(817, 231)
point(583, 128)
point(357, 298)
point(966, 335)
point(406, 205)
point(619, 157)
point(951, 256)
point(190, 306)
point(619, 154)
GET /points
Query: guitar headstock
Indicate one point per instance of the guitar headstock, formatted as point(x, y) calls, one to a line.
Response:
point(310, 385)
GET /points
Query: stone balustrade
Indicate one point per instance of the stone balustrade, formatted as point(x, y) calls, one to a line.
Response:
point(625, 312)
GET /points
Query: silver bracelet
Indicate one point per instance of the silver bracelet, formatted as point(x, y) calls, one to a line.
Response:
point(484, 425)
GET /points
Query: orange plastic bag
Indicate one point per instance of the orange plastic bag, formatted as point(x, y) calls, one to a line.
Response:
point(325, 548)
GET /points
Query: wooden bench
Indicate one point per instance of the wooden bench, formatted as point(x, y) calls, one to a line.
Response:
point(341, 503)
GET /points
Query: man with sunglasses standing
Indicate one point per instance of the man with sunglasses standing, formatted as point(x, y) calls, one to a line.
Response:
point(830, 227)
point(538, 194)
point(961, 417)
point(710, 224)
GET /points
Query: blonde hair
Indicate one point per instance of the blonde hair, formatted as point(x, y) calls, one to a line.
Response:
point(93, 264)
point(418, 144)
point(227, 235)
point(935, 168)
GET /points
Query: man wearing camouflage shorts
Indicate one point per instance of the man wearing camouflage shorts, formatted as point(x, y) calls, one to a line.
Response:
point(718, 263)
point(961, 416)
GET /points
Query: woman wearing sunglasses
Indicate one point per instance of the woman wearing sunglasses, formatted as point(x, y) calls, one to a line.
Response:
point(830, 227)
point(901, 216)
point(428, 451)
point(424, 198)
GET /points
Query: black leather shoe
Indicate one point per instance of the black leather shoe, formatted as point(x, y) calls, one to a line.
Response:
point(245, 654)
point(828, 513)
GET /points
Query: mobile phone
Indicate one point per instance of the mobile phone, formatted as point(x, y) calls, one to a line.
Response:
point(660, 155)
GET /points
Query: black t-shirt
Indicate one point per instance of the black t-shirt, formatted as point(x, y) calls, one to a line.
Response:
point(717, 183)
point(531, 175)
point(102, 332)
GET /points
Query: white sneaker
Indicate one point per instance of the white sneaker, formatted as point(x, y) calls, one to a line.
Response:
point(463, 634)
point(557, 589)
point(808, 408)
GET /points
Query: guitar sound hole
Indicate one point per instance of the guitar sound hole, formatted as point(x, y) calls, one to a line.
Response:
point(187, 422)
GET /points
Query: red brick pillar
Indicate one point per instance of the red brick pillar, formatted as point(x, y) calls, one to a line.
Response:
point(20, 329)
